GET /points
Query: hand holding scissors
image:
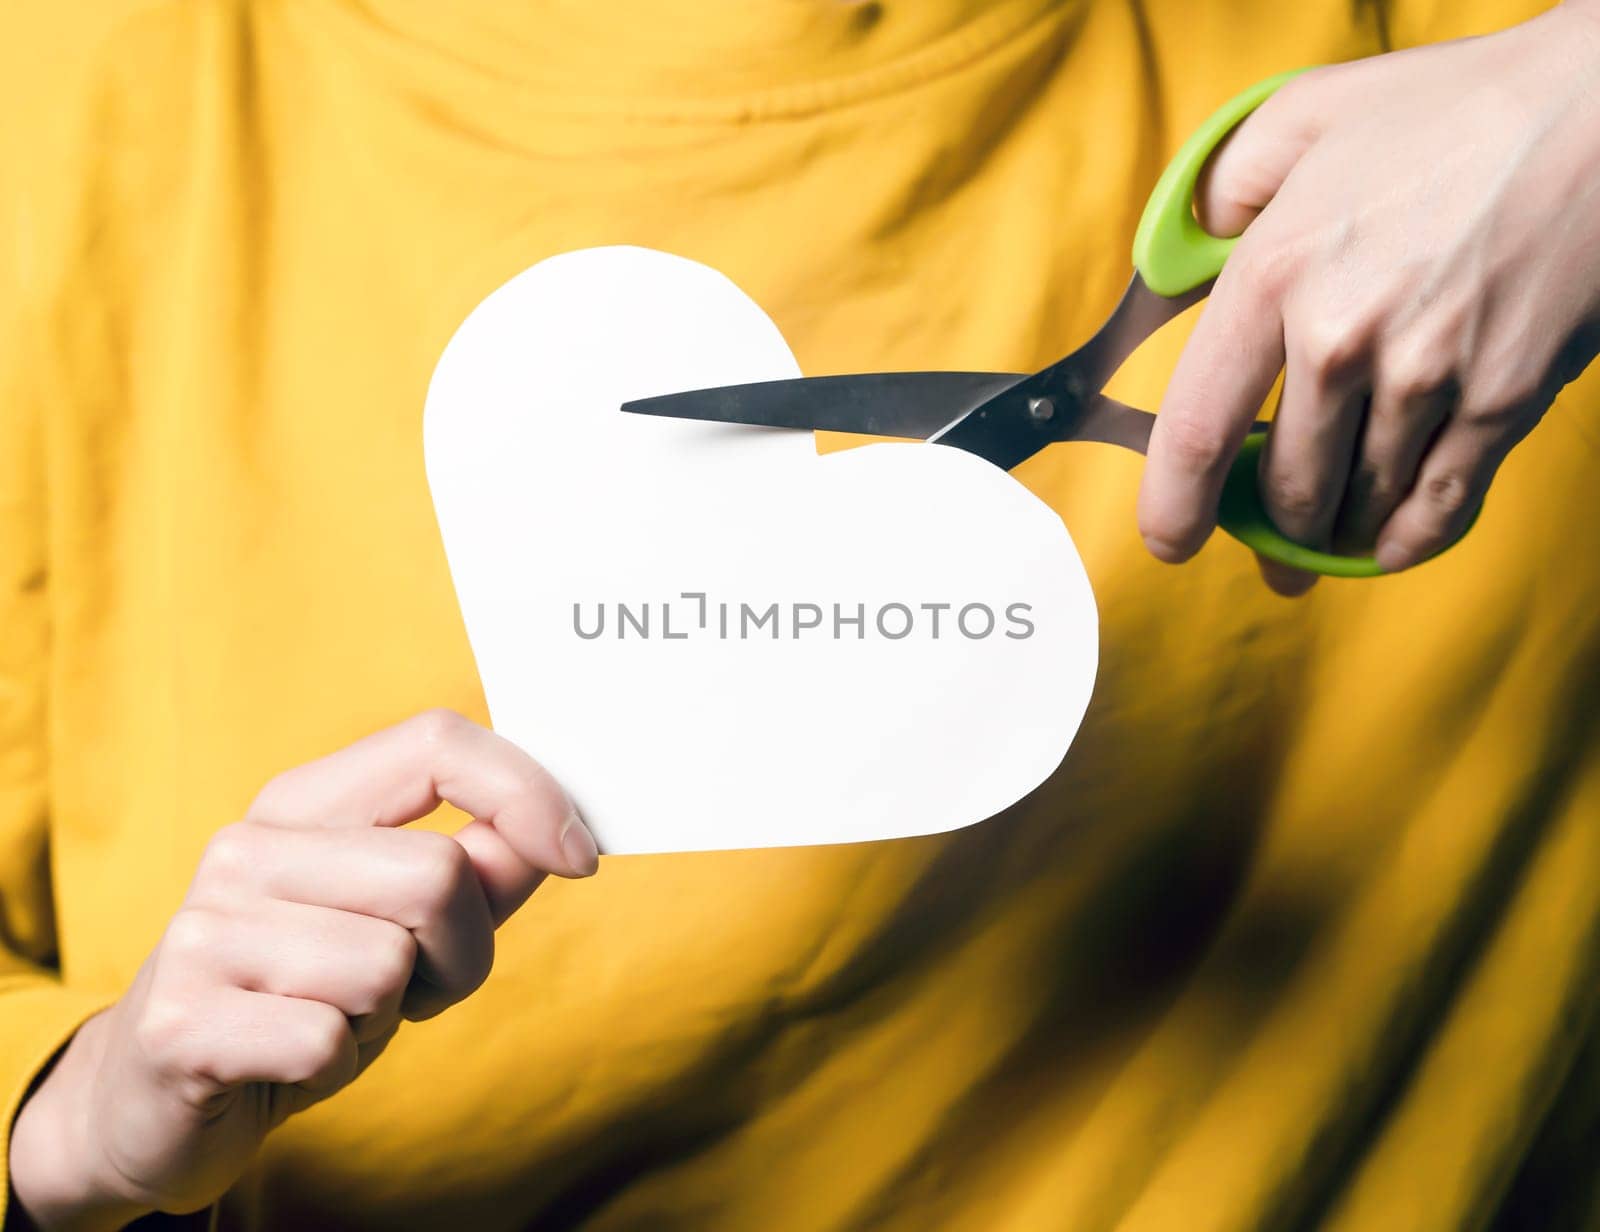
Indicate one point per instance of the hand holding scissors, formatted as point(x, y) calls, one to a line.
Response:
point(1410, 372)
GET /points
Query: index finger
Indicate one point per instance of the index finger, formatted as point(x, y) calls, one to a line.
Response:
point(1225, 373)
point(524, 824)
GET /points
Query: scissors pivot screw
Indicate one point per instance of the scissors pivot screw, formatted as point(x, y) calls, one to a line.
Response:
point(1041, 409)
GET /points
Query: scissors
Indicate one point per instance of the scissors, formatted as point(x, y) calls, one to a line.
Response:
point(1008, 417)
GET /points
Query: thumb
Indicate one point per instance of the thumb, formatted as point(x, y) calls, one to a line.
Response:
point(1254, 160)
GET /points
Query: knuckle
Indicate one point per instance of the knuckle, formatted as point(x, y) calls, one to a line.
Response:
point(1197, 445)
point(1416, 372)
point(1373, 486)
point(230, 855)
point(193, 933)
point(390, 965)
point(1504, 395)
point(325, 1040)
point(439, 727)
point(1381, 490)
point(271, 800)
point(527, 785)
point(1304, 94)
point(1292, 497)
point(439, 874)
point(1446, 493)
point(1330, 346)
point(164, 1033)
point(1502, 410)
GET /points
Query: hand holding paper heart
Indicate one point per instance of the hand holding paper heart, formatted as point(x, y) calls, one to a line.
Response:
point(712, 636)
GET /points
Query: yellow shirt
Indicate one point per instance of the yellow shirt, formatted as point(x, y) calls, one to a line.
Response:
point(1307, 927)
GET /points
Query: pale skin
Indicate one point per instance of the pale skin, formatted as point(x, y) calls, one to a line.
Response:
point(313, 928)
point(1423, 261)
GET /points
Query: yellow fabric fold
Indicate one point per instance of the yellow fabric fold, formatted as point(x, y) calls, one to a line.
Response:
point(1304, 927)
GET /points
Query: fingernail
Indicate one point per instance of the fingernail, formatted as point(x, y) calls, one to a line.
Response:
point(1286, 582)
point(1392, 557)
point(577, 844)
point(1164, 551)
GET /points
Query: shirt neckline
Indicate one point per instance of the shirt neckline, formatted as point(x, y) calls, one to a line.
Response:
point(734, 61)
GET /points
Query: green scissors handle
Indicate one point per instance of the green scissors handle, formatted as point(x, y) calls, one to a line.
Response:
point(1171, 250)
point(1175, 255)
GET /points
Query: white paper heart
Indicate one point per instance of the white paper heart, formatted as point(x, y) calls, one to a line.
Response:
point(696, 716)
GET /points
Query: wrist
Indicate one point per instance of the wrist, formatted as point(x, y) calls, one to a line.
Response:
point(1579, 40)
point(51, 1156)
point(1556, 84)
point(1579, 24)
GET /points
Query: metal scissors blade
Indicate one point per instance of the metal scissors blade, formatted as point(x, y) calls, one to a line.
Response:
point(905, 404)
point(1005, 417)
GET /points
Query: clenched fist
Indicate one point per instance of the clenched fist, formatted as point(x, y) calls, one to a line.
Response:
point(313, 927)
